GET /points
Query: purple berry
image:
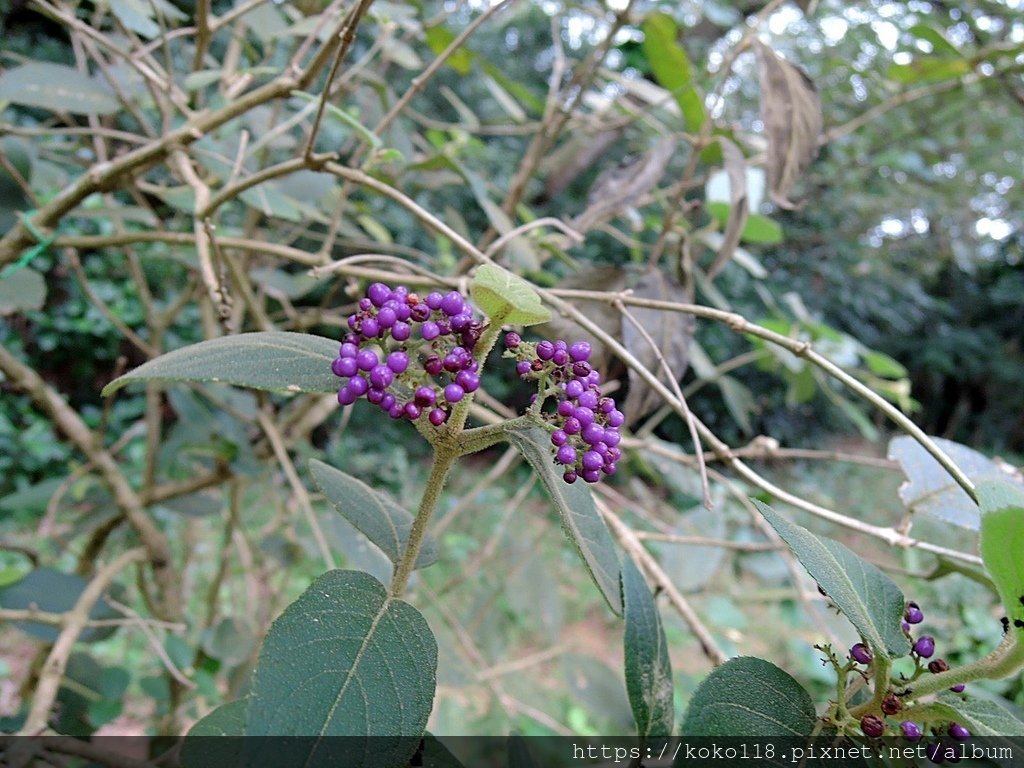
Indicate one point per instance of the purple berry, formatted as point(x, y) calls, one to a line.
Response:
point(615, 418)
point(611, 437)
point(512, 340)
point(566, 409)
point(419, 312)
point(398, 361)
point(935, 752)
point(573, 389)
point(913, 614)
point(592, 460)
point(452, 303)
point(348, 349)
point(911, 730)
point(430, 330)
point(569, 477)
point(579, 351)
point(558, 438)
point(609, 468)
point(872, 726)
point(958, 732)
point(560, 357)
point(606, 405)
point(460, 322)
point(925, 646)
point(433, 300)
point(958, 688)
point(386, 317)
point(437, 417)
point(381, 376)
point(346, 396)
point(572, 426)
point(403, 312)
point(396, 411)
point(411, 411)
point(589, 399)
point(523, 368)
point(388, 402)
point(584, 416)
point(378, 293)
point(343, 366)
point(370, 327)
point(905, 627)
point(545, 350)
point(424, 396)
point(453, 393)
point(400, 331)
point(860, 653)
point(469, 381)
point(375, 396)
point(359, 385)
point(592, 434)
point(366, 359)
point(365, 304)
point(566, 455)
point(591, 475)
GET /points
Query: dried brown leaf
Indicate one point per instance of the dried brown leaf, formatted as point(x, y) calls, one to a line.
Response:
point(791, 111)
point(671, 333)
point(739, 205)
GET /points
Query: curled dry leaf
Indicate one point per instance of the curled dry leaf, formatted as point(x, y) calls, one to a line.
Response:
point(791, 111)
point(620, 187)
point(671, 333)
point(739, 204)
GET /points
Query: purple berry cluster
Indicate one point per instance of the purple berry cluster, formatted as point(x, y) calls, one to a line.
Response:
point(585, 425)
point(409, 355)
point(874, 726)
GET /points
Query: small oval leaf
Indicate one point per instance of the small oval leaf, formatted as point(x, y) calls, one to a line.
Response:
point(749, 697)
point(272, 360)
point(345, 659)
point(647, 666)
point(580, 518)
point(506, 298)
point(866, 596)
point(57, 88)
point(377, 517)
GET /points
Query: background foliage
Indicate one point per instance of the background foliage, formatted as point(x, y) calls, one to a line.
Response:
point(167, 175)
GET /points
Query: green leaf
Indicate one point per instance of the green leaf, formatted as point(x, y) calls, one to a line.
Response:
point(345, 659)
point(580, 519)
point(57, 88)
point(377, 517)
point(758, 228)
point(882, 365)
point(647, 666)
point(749, 697)
point(230, 641)
point(982, 717)
point(293, 362)
point(866, 596)
point(439, 38)
point(929, 69)
point(198, 750)
point(938, 41)
point(506, 298)
point(1002, 544)
point(435, 754)
point(21, 290)
point(671, 67)
point(53, 591)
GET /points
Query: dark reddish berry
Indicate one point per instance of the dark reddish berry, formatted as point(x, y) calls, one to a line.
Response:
point(437, 417)
point(872, 726)
point(937, 665)
point(891, 704)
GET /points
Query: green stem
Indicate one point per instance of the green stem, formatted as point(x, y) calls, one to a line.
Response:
point(443, 461)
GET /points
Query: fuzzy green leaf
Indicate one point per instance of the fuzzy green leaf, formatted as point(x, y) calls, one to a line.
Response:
point(866, 596)
point(1002, 544)
point(291, 362)
point(345, 659)
point(506, 298)
point(749, 697)
point(672, 68)
point(580, 518)
point(647, 666)
point(377, 517)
